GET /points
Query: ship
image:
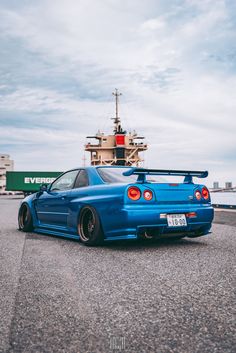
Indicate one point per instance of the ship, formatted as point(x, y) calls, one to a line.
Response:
point(120, 148)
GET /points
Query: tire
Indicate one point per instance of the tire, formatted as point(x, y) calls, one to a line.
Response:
point(196, 236)
point(25, 220)
point(89, 227)
point(177, 238)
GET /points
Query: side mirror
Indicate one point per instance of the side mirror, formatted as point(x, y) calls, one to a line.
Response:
point(43, 187)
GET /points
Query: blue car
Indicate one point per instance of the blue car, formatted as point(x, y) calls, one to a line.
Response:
point(103, 203)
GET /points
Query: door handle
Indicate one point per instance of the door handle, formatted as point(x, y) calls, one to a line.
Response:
point(63, 197)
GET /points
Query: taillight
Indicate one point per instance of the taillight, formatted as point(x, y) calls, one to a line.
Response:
point(198, 195)
point(191, 214)
point(134, 193)
point(148, 195)
point(205, 193)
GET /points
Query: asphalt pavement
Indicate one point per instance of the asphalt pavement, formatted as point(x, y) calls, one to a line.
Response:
point(57, 295)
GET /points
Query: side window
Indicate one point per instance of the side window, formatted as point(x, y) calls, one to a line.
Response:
point(82, 179)
point(65, 182)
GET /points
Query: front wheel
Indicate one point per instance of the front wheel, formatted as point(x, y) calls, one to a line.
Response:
point(89, 226)
point(25, 220)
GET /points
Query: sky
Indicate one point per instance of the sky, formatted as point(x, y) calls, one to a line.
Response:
point(173, 60)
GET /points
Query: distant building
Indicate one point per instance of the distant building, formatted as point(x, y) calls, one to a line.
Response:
point(216, 185)
point(228, 184)
point(6, 165)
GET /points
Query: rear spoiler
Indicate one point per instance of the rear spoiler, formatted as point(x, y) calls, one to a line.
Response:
point(188, 174)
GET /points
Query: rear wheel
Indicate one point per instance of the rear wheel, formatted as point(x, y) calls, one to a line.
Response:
point(197, 235)
point(200, 232)
point(89, 227)
point(177, 237)
point(25, 220)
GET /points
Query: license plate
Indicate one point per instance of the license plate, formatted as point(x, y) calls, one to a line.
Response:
point(176, 220)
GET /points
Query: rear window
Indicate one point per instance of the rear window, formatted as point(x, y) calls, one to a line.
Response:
point(115, 175)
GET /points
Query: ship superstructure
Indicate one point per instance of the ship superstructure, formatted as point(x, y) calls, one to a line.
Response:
point(117, 149)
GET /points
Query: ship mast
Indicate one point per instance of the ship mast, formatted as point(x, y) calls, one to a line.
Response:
point(117, 118)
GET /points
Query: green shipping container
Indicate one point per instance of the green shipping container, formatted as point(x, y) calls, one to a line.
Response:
point(28, 181)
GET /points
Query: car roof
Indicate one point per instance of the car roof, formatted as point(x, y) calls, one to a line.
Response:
point(94, 176)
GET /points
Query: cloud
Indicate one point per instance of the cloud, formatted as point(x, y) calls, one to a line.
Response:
point(174, 61)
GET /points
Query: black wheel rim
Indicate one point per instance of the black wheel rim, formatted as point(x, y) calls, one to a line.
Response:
point(87, 225)
point(23, 217)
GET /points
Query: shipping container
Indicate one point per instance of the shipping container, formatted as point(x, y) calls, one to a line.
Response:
point(29, 182)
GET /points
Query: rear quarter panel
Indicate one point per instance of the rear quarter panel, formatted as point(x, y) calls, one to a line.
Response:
point(108, 200)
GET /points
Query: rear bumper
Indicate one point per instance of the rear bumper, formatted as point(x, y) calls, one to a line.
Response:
point(134, 221)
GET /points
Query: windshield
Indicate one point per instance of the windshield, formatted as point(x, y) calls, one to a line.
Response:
point(115, 175)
